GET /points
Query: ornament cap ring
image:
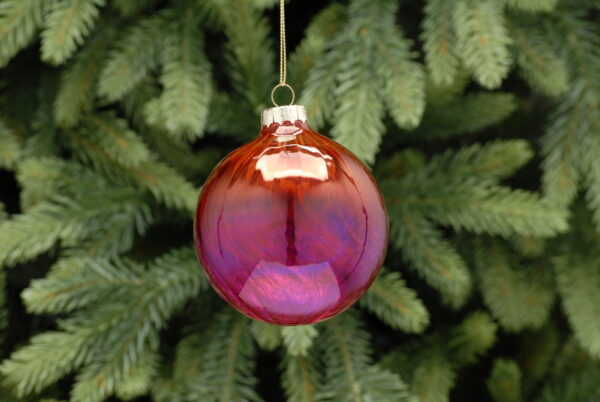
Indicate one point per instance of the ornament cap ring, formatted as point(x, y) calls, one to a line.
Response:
point(282, 85)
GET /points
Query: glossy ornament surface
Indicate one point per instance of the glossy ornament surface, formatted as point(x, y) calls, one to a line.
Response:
point(291, 228)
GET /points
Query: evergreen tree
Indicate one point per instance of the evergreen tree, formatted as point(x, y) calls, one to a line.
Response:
point(480, 119)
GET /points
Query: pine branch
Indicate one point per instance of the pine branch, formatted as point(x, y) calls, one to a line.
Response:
point(164, 183)
point(404, 80)
point(189, 361)
point(467, 114)
point(591, 168)
point(312, 48)
point(266, 335)
point(350, 375)
point(430, 255)
point(229, 364)
point(472, 339)
point(575, 387)
point(76, 91)
point(432, 363)
point(139, 377)
point(504, 383)
point(519, 297)
point(4, 311)
point(299, 340)
point(373, 57)
point(540, 64)
point(132, 7)
point(536, 354)
point(185, 76)
point(493, 160)
point(319, 95)
point(249, 52)
point(561, 147)
point(483, 40)
point(66, 26)
point(477, 205)
point(99, 379)
point(29, 235)
point(10, 147)
point(496, 210)
point(41, 178)
point(578, 278)
point(262, 4)
point(19, 22)
point(112, 136)
point(77, 282)
point(46, 359)
point(120, 329)
point(301, 377)
point(367, 54)
point(441, 94)
point(433, 377)
point(132, 59)
point(395, 304)
point(577, 118)
point(533, 5)
point(439, 42)
point(358, 119)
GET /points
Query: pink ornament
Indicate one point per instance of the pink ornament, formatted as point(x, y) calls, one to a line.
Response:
point(291, 228)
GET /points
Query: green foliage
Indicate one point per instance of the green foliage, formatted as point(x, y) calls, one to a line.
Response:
point(131, 7)
point(434, 377)
point(10, 146)
point(439, 40)
point(76, 91)
point(266, 335)
point(467, 114)
point(19, 19)
point(132, 59)
point(301, 377)
point(483, 40)
point(369, 67)
point(66, 26)
point(533, 5)
point(578, 278)
point(537, 351)
point(504, 383)
point(228, 368)
point(395, 304)
point(108, 339)
point(298, 340)
point(322, 28)
point(540, 64)
point(579, 387)
point(518, 296)
point(350, 375)
point(113, 113)
point(432, 364)
point(458, 189)
point(185, 76)
point(569, 143)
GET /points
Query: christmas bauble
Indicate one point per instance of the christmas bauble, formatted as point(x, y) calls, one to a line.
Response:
point(291, 228)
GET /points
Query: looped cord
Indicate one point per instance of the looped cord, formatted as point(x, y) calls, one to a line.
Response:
point(282, 57)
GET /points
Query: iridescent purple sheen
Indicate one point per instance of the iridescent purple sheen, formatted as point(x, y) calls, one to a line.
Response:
point(291, 228)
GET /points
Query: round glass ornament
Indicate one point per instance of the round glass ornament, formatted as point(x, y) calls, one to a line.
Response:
point(291, 228)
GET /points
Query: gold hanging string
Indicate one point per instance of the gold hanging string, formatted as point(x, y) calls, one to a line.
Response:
point(282, 57)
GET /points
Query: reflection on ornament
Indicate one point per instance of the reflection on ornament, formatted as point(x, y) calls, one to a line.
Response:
point(291, 228)
point(285, 291)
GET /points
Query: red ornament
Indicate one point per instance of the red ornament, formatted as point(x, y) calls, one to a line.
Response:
point(291, 228)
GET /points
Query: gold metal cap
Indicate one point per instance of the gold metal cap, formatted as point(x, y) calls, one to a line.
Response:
point(281, 114)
